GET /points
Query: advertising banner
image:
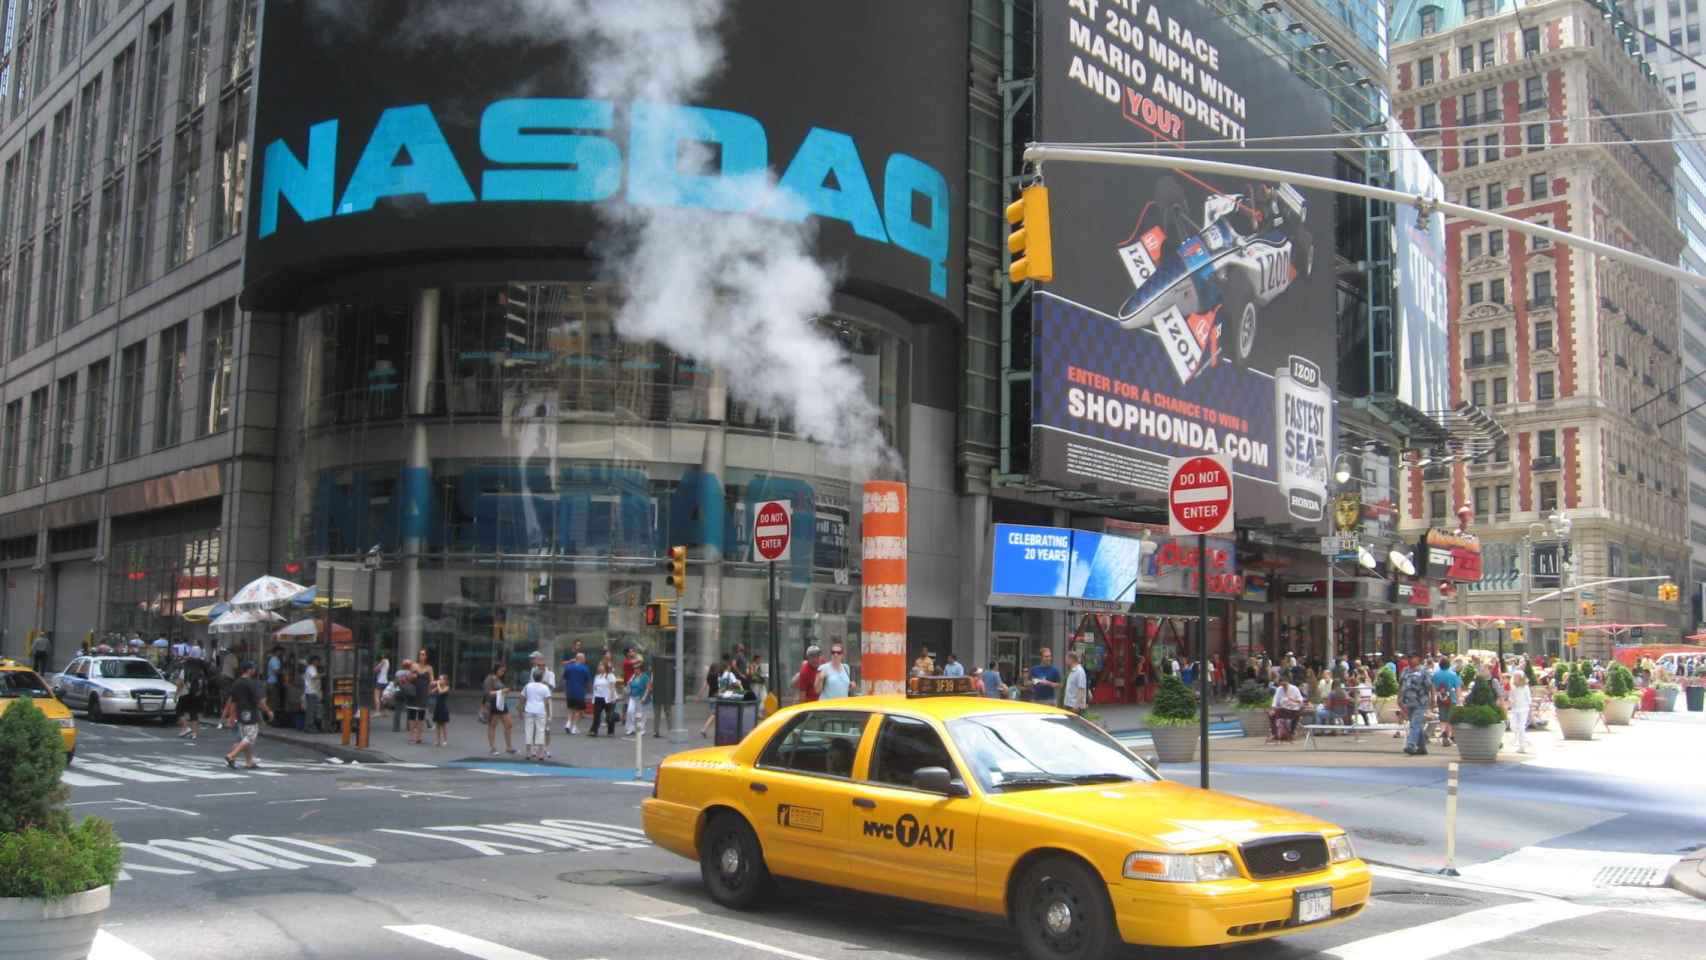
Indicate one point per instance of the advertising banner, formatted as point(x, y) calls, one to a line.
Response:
point(1188, 314)
point(1056, 563)
point(1418, 250)
point(1444, 555)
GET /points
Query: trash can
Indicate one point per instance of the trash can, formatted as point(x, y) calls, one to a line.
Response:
point(1696, 698)
point(734, 719)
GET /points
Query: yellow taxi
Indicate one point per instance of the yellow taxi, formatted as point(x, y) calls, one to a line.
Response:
point(1015, 810)
point(20, 681)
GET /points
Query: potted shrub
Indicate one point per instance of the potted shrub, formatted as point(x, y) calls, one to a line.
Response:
point(1254, 699)
point(1173, 722)
point(1578, 707)
point(1478, 725)
point(1386, 696)
point(55, 876)
point(1667, 690)
point(1620, 696)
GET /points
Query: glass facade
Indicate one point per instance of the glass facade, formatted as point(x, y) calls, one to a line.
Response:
point(522, 469)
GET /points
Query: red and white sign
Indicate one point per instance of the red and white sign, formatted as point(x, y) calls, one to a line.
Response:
point(772, 529)
point(1199, 494)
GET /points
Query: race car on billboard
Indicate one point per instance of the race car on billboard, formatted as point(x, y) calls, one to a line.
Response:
point(1201, 287)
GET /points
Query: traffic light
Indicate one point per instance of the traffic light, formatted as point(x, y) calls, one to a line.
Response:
point(1572, 637)
point(678, 569)
point(657, 615)
point(1516, 634)
point(1032, 244)
point(1588, 608)
point(1669, 592)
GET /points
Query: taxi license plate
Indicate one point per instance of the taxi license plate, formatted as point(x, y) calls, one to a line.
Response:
point(1312, 904)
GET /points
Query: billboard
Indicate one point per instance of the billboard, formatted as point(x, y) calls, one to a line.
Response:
point(1418, 252)
point(1445, 555)
point(405, 131)
point(1188, 313)
point(1057, 563)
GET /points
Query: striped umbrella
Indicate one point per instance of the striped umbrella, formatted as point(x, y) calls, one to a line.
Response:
point(239, 621)
point(265, 594)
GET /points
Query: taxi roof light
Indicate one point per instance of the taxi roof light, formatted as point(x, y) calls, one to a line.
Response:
point(940, 686)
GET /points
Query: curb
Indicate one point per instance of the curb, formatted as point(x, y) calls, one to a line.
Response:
point(1689, 876)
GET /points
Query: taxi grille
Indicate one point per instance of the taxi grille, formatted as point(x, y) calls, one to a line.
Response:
point(1268, 858)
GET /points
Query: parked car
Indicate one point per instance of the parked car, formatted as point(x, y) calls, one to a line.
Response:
point(110, 687)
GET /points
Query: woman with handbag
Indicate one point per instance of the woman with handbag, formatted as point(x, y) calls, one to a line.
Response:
point(497, 710)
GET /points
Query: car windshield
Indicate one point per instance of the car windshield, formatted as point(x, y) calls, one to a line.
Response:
point(1010, 751)
point(128, 670)
point(21, 683)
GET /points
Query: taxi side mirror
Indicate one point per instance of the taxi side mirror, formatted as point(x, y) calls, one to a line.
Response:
point(936, 780)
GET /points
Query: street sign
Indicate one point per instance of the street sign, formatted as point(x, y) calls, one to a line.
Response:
point(1336, 545)
point(772, 528)
point(1199, 494)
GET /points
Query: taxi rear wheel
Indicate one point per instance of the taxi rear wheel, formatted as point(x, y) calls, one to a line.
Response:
point(1063, 912)
point(732, 863)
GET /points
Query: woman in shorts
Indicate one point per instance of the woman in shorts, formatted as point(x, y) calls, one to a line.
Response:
point(497, 707)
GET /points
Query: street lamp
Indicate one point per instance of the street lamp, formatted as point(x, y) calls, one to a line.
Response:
point(1557, 527)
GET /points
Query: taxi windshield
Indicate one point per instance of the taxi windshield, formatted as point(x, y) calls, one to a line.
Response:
point(22, 683)
point(128, 670)
point(1014, 751)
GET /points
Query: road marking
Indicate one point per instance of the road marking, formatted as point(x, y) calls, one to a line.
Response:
point(109, 947)
point(739, 941)
point(302, 800)
point(155, 806)
point(461, 942)
point(486, 848)
point(504, 773)
point(234, 793)
point(124, 773)
point(171, 769)
point(1445, 937)
point(76, 779)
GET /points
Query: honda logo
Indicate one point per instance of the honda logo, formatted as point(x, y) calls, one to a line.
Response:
point(1291, 856)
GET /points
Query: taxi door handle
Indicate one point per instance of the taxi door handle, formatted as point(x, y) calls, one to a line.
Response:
point(865, 804)
point(758, 787)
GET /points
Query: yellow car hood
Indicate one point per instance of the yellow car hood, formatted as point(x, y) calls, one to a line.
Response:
point(1164, 815)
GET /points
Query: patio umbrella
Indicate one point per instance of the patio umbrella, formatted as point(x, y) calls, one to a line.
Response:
point(265, 593)
point(204, 614)
point(238, 621)
point(311, 628)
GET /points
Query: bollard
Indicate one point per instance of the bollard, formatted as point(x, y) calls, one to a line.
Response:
point(639, 741)
point(361, 730)
point(1450, 868)
point(344, 721)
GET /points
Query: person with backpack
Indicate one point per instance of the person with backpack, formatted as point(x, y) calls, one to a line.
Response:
point(192, 697)
point(1415, 693)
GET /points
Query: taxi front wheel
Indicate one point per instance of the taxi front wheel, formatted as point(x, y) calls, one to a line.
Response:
point(1062, 911)
point(732, 863)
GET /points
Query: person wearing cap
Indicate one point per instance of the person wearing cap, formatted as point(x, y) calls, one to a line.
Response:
point(245, 707)
point(536, 662)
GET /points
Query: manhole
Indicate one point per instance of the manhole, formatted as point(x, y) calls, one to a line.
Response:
point(1425, 898)
point(1629, 877)
point(612, 878)
point(1382, 835)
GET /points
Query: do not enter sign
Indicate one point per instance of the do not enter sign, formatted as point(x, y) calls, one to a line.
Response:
point(772, 528)
point(1199, 494)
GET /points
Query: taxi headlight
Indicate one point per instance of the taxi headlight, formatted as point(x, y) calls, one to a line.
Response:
point(66, 722)
point(1339, 848)
point(1180, 868)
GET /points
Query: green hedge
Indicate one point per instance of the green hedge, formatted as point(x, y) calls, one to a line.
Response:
point(1385, 683)
point(1477, 715)
point(1175, 704)
point(1253, 694)
point(42, 855)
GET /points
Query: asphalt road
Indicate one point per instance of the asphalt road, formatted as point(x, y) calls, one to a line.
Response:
point(307, 859)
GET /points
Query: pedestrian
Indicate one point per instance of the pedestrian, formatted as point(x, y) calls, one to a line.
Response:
point(1077, 685)
point(536, 661)
point(536, 714)
point(1446, 684)
point(805, 679)
point(639, 696)
point(41, 652)
point(192, 697)
point(1365, 697)
point(952, 667)
point(759, 676)
point(604, 699)
point(441, 711)
point(1415, 692)
point(1044, 678)
point(1522, 701)
point(247, 705)
point(420, 699)
point(576, 679)
point(1287, 707)
point(311, 695)
point(722, 681)
point(497, 709)
point(989, 678)
point(381, 680)
point(835, 679)
point(275, 674)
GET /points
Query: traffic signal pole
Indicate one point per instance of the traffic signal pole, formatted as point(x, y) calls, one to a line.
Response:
point(677, 722)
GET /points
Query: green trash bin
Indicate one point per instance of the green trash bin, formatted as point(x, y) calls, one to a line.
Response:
point(1696, 698)
point(734, 719)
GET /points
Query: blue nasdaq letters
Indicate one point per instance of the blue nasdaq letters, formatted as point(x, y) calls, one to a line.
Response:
point(550, 151)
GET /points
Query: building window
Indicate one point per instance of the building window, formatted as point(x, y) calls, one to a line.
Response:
point(186, 193)
point(35, 446)
point(124, 95)
point(1431, 158)
point(1491, 151)
point(1466, 58)
point(1477, 292)
point(142, 205)
point(1537, 186)
point(1482, 502)
point(64, 426)
point(169, 391)
point(1502, 451)
point(1548, 495)
point(1429, 21)
point(1676, 37)
point(1472, 246)
point(1693, 33)
point(1495, 243)
point(1472, 197)
point(1477, 347)
point(1547, 444)
point(1536, 136)
point(14, 439)
point(1543, 336)
point(95, 415)
point(198, 49)
point(1502, 500)
point(1530, 41)
point(1543, 385)
point(131, 367)
point(1467, 108)
point(1425, 72)
point(1533, 93)
point(72, 306)
point(1539, 243)
point(1471, 152)
point(1490, 102)
point(1501, 391)
point(1543, 289)
point(1476, 9)
point(231, 150)
point(59, 155)
point(1436, 504)
point(107, 241)
point(1478, 393)
point(1497, 343)
point(218, 368)
point(1496, 291)
point(1688, 82)
point(1430, 116)
point(1495, 196)
point(158, 64)
point(240, 19)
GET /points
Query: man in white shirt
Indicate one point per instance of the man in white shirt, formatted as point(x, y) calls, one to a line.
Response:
point(536, 714)
point(1287, 707)
point(537, 665)
point(311, 694)
point(1077, 696)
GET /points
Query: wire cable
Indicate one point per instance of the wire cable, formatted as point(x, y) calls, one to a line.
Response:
point(1167, 148)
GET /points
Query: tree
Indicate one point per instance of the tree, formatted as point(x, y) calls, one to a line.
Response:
point(31, 760)
point(1175, 704)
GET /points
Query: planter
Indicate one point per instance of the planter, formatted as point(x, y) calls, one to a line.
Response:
point(1479, 744)
point(1255, 722)
point(1619, 712)
point(52, 929)
point(1696, 698)
point(1386, 709)
point(1667, 698)
point(1175, 744)
point(1578, 724)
